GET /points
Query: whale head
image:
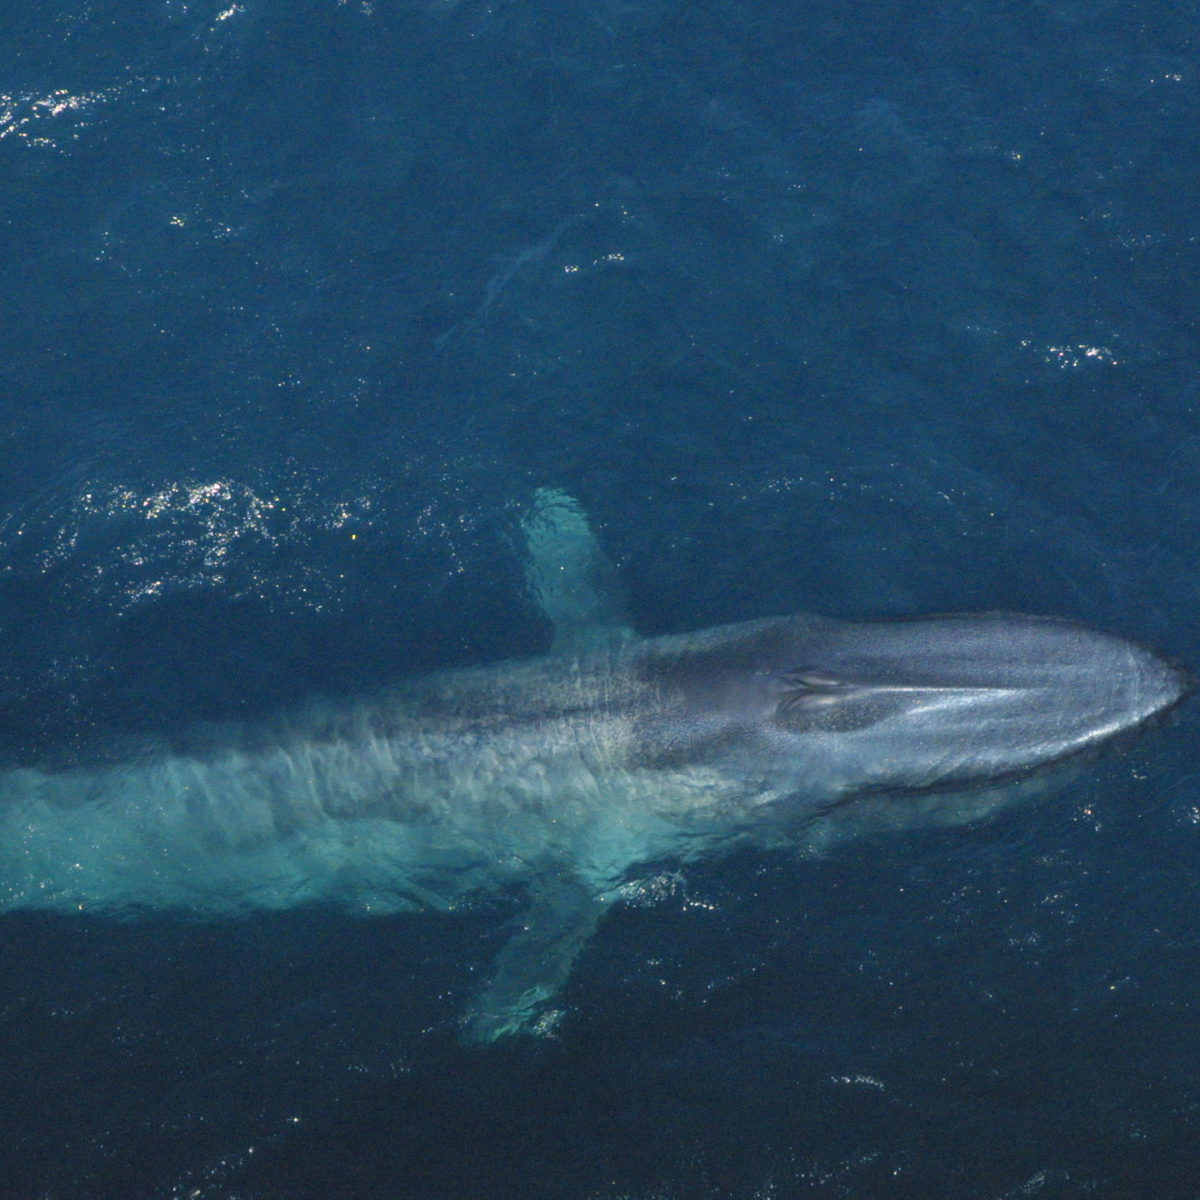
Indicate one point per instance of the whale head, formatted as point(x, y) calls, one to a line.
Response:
point(818, 708)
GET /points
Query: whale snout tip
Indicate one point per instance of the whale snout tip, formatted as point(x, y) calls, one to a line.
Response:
point(1159, 685)
point(1177, 683)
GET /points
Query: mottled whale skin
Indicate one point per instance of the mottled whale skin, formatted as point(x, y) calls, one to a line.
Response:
point(568, 773)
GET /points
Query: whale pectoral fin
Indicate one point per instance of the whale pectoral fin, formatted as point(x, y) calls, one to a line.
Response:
point(535, 962)
point(570, 577)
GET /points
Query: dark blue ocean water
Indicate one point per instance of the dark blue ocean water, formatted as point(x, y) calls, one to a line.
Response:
point(859, 308)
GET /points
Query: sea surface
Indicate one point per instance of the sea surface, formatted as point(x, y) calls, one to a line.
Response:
point(870, 309)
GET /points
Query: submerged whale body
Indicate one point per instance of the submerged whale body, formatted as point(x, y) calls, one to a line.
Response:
point(567, 773)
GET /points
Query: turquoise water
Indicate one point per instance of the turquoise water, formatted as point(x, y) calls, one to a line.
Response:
point(863, 310)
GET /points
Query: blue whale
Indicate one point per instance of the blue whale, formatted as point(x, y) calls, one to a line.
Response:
point(568, 774)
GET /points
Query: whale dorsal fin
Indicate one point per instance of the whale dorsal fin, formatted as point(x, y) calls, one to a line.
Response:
point(570, 577)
